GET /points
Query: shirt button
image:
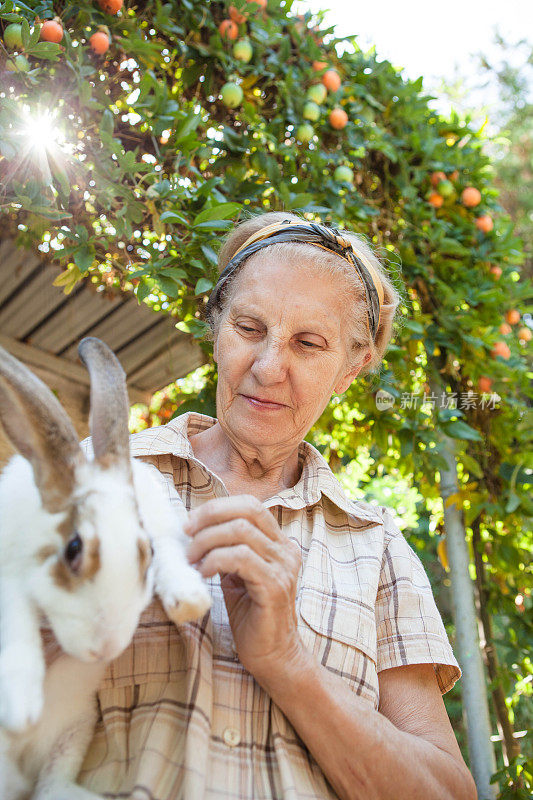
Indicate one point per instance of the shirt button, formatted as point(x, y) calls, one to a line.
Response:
point(232, 737)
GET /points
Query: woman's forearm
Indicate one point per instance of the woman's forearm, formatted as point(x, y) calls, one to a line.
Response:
point(361, 753)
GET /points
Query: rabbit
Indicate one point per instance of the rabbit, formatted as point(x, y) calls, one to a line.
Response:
point(83, 544)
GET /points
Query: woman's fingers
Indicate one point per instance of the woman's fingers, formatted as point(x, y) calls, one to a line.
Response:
point(228, 534)
point(223, 509)
point(239, 560)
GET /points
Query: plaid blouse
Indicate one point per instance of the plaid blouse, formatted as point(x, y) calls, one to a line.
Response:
point(181, 719)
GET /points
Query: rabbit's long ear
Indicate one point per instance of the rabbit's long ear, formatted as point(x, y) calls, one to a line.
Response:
point(109, 402)
point(39, 428)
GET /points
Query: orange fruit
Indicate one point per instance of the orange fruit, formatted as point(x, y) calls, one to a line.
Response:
point(436, 199)
point(471, 197)
point(228, 29)
point(338, 119)
point(319, 65)
point(261, 3)
point(454, 175)
point(484, 384)
point(501, 349)
point(331, 80)
point(51, 31)
point(505, 329)
point(236, 15)
point(484, 223)
point(524, 334)
point(512, 316)
point(110, 6)
point(99, 42)
point(437, 177)
point(496, 271)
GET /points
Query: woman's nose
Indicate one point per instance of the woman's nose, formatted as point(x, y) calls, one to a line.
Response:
point(271, 362)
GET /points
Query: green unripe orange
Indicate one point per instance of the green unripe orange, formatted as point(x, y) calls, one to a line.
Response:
point(231, 94)
point(311, 111)
point(242, 50)
point(304, 132)
point(13, 36)
point(446, 189)
point(343, 174)
point(317, 93)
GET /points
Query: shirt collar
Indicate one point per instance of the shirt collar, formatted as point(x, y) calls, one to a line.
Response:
point(316, 478)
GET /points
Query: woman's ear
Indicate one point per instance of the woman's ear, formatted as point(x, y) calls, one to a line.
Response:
point(352, 375)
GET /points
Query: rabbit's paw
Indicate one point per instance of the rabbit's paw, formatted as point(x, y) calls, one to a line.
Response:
point(21, 695)
point(188, 601)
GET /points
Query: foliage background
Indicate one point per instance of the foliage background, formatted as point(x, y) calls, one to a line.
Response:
point(150, 168)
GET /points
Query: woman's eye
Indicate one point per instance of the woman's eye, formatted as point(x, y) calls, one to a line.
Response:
point(308, 345)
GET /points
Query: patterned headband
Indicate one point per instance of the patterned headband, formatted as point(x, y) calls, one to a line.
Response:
point(319, 235)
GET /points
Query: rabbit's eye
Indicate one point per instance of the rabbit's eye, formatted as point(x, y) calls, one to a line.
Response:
point(73, 550)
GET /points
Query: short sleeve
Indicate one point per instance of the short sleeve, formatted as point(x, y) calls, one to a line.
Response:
point(409, 626)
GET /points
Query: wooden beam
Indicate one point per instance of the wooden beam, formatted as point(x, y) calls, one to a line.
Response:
point(34, 357)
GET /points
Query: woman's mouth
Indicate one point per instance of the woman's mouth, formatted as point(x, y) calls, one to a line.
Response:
point(255, 403)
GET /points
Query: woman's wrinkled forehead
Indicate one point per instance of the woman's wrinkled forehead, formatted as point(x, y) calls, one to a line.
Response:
point(308, 299)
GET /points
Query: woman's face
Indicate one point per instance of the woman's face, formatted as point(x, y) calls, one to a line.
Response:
point(281, 338)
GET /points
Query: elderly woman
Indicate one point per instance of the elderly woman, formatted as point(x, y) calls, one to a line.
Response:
point(319, 671)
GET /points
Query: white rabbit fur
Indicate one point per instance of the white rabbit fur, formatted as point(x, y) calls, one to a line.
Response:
point(47, 716)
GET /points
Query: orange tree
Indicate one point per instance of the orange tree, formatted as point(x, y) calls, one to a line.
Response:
point(132, 135)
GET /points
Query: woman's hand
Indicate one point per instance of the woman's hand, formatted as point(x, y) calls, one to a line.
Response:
point(239, 538)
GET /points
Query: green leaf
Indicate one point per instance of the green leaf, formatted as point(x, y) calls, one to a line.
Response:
point(460, 430)
point(168, 285)
point(214, 225)
point(143, 289)
point(83, 258)
point(471, 465)
point(46, 50)
point(49, 213)
point(300, 200)
point(174, 272)
point(34, 37)
point(107, 123)
point(512, 503)
point(452, 247)
point(209, 253)
point(203, 285)
point(186, 126)
point(412, 325)
point(221, 211)
point(25, 33)
point(173, 216)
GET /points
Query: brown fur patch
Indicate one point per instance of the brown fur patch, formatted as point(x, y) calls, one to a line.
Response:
point(145, 557)
point(91, 559)
point(113, 461)
point(66, 528)
point(63, 577)
point(45, 552)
